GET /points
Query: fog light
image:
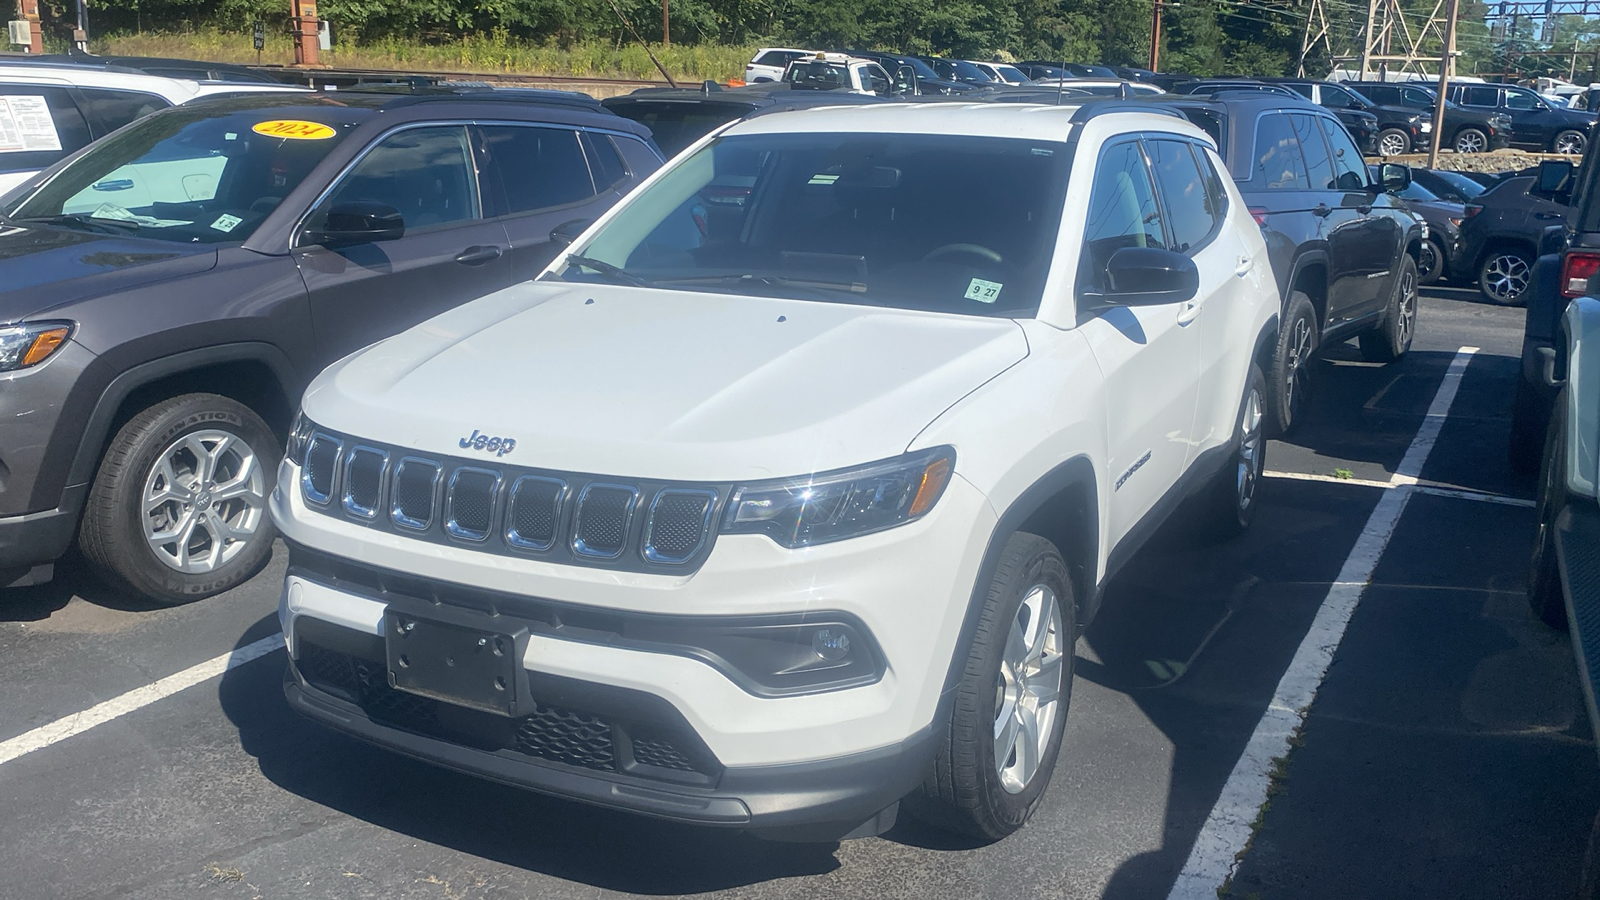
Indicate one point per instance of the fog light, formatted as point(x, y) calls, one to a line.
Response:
point(831, 644)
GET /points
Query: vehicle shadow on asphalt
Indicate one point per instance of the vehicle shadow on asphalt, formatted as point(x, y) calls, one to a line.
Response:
point(73, 578)
point(562, 839)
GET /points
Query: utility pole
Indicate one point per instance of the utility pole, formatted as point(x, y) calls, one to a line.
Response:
point(80, 35)
point(666, 26)
point(28, 11)
point(1447, 67)
point(1155, 34)
point(307, 43)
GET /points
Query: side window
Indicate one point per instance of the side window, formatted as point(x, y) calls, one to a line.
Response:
point(605, 161)
point(1416, 99)
point(1480, 95)
point(1350, 170)
point(777, 58)
point(1122, 210)
point(1314, 150)
point(876, 80)
point(1278, 160)
point(1183, 193)
point(114, 109)
point(1214, 186)
point(539, 168)
point(1521, 100)
point(426, 173)
point(1303, 90)
point(38, 125)
point(1338, 98)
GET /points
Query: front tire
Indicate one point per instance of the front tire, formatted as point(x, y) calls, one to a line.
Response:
point(178, 509)
point(1010, 707)
point(1471, 140)
point(1393, 142)
point(1545, 594)
point(1504, 274)
point(1430, 262)
point(1289, 380)
point(1393, 337)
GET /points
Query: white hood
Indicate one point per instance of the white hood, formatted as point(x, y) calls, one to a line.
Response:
point(664, 384)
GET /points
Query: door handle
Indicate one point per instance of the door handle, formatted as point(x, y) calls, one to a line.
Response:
point(477, 255)
point(1548, 215)
point(1321, 210)
point(1243, 267)
point(1188, 312)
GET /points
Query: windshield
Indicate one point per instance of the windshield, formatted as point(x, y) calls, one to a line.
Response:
point(199, 175)
point(818, 74)
point(946, 223)
point(966, 71)
point(1447, 183)
point(1010, 73)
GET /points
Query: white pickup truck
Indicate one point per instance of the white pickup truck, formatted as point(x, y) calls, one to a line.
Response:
point(775, 518)
point(839, 72)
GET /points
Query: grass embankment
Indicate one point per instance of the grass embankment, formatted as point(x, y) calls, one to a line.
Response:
point(474, 53)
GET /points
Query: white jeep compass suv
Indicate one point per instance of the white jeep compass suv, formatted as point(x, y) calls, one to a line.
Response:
point(784, 493)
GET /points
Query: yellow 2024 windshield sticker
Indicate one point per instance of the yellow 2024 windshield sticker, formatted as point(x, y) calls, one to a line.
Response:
point(294, 129)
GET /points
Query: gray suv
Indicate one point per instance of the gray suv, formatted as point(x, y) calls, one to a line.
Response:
point(168, 292)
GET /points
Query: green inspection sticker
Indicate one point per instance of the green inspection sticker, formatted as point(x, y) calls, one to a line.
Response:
point(983, 291)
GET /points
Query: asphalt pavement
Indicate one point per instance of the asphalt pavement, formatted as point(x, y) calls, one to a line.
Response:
point(1447, 753)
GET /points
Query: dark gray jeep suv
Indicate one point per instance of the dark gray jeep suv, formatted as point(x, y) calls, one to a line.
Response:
point(1343, 250)
point(167, 292)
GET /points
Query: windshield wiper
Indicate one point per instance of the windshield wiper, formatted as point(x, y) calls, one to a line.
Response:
point(615, 273)
point(82, 221)
point(743, 279)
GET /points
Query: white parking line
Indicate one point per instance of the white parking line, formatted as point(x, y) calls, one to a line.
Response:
point(1215, 853)
point(101, 713)
point(1431, 488)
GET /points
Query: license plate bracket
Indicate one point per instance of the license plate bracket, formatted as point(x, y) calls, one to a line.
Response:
point(462, 664)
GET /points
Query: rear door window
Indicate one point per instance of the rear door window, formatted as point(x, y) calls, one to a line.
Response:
point(538, 168)
point(605, 162)
point(1189, 210)
point(111, 109)
point(1480, 95)
point(1278, 163)
point(1314, 150)
point(777, 58)
point(38, 125)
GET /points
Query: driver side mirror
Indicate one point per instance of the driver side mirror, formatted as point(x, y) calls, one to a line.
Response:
point(1150, 276)
point(1393, 177)
point(358, 222)
point(1555, 179)
point(564, 234)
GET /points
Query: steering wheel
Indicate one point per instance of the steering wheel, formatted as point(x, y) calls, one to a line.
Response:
point(969, 249)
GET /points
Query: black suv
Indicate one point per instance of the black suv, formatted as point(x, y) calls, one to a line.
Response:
point(1535, 124)
point(1500, 235)
point(927, 80)
point(1465, 130)
point(1344, 252)
point(169, 291)
point(1399, 129)
point(677, 117)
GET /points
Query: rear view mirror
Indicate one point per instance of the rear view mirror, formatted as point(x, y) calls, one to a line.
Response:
point(1150, 276)
point(1394, 177)
point(358, 222)
point(567, 232)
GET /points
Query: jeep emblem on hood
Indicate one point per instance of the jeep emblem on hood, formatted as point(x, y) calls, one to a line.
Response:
point(499, 446)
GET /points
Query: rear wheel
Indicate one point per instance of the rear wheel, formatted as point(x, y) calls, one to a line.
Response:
point(1430, 262)
point(178, 510)
point(1393, 337)
point(1544, 575)
point(1471, 140)
point(1288, 382)
point(1010, 707)
point(1503, 276)
point(1393, 142)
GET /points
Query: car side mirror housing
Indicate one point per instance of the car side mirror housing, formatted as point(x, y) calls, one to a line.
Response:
point(358, 222)
point(564, 234)
point(1149, 276)
point(1393, 177)
point(1555, 178)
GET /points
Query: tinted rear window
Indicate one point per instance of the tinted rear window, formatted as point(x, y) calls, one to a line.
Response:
point(677, 125)
point(1278, 163)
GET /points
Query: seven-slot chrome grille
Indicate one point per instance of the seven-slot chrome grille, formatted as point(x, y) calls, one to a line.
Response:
point(589, 520)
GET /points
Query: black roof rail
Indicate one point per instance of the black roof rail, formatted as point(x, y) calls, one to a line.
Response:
point(1099, 107)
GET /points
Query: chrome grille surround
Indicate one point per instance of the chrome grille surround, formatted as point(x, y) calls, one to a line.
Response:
point(654, 539)
point(553, 507)
point(602, 522)
point(367, 505)
point(463, 494)
point(309, 475)
point(626, 524)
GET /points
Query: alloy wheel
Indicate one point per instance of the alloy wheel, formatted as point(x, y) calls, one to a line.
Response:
point(1469, 142)
point(1393, 145)
point(1570, 143)
point(204, 499)
point(1028, 691)
point(1406, 315)
point(1505, 277)
point(1427, 260)
point(1249, 451)
point(1299, 356)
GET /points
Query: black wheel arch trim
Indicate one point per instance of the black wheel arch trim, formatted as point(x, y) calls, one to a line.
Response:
point(97, 427)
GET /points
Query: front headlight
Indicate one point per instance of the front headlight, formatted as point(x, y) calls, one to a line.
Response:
point(299, 439)
point(1426, 127)
point(832, 506)
point(27, 345)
